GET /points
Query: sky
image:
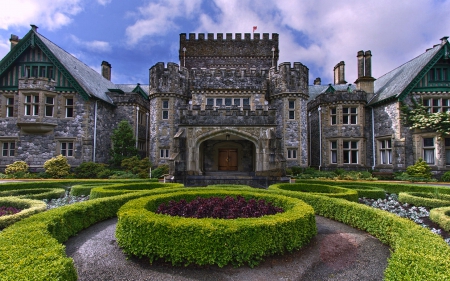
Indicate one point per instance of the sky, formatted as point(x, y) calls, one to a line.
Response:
point(133, 35)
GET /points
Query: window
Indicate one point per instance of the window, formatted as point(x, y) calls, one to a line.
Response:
point(66, 149)
point(218, 102)
point(237, 102)
point(437, 105)
point(31, 105)
point(350, 150)
point(9, 107)
point(428, 150)
point(8, 149)
point(141, 145)
point(291, 109)
point(333, 116)
point(228, 102)
point(165, 112)
point(349, 115)
point(43, 72)
point(49, 104)
point(292, 153)
point(210, 102)
point(447, 151)
point(333, 152)
point(164, 153)
point(69, 107)
point(385, 152)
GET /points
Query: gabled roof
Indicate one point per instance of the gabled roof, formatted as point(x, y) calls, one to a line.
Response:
point(84, 79)
point(400, 81)
point(315, 90)
point(141, 89)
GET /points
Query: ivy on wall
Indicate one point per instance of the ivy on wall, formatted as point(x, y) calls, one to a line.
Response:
point(418, 117)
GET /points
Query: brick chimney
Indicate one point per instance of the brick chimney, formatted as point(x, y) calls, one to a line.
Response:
point(14, 40)
point(339, 73)
point(365, 81)
point(106, 70)
point(317, 81)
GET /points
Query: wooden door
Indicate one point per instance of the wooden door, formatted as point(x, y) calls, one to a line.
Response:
point(228, 160)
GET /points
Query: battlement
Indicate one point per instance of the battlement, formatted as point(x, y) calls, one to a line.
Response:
point(170, 78)
point(199, 51)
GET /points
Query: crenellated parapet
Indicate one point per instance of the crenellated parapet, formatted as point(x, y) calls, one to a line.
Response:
point(289, 79)
point(339, 97)
point(228, 52)
point(168, 79)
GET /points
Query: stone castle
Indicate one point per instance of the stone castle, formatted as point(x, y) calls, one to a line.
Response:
point(229, 112)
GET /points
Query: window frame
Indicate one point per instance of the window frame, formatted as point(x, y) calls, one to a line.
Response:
point(429, 151)
point(165, 109)
point(350, 152)
point(31, 104)
point(164, 153)
point(291, 153)
point(385, 151)
point(333, 152)
point(447, 151)
point(69, 108)
point(10, 151)
point(349, 117)
point(66, 148)
point(436, 104)
point(333, 116)
point(291, 106)
point(9, 107)
point(49, 106)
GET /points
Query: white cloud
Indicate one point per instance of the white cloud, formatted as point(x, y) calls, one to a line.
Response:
point(5, 46)
point(94, 46)
point(104, 2)
point(157, 18)
point(51, 14)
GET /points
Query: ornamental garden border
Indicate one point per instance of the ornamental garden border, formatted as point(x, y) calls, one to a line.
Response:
point(417, 253)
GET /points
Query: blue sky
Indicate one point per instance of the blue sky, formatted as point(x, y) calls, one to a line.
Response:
point(133, 35)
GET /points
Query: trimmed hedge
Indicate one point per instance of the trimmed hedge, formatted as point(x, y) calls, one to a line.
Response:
point(418, 254)
point(35, 193)
point(441, 216)
point(320, 189)
point(142, 232)
point(424, 199)
point(28, 206)
point(119, 189)
point(367, 191)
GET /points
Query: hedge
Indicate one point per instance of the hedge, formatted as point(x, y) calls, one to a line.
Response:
point(31, 249)
point(320, 189)
point(424, 199)
point(142, 232)
point(28, 206)
point(367, 191)
point(35, 193)
point(441, 216)
point(418, 254)
point(119, 189)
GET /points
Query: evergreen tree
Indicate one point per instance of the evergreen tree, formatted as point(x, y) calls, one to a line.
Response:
point(123, 142)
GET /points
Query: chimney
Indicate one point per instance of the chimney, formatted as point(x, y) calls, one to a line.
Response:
point(365, 81)
point(339, 73)
point(317, 81)
point(106, 70)
point(14, 40)
point(360, 57)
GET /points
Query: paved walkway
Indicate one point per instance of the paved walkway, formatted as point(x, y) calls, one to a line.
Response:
point(338, 252)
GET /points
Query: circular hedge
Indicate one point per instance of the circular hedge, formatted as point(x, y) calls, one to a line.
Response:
point(367, 191)
point(319, 189)
point(35, 193)
point(441, 216)
point(425, 199)
point(28, 206)
point(142, 232)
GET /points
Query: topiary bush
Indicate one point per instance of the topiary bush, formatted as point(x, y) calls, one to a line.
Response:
point(57, 167)
point(16, 167)
point(136, 166)
point(420, 170)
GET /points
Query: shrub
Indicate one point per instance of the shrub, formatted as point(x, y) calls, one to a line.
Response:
point(57, 167)
point(16, 167)
point(420, 170)
point(441, 216)
point(137, 167)
point(160, 171)
point(89, 170)
point(446, 177)
point(205, 241)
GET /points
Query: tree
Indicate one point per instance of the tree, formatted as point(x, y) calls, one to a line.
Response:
point(123, 143)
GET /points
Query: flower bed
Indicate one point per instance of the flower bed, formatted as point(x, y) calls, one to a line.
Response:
point(27, 208)
point(8, 210)
point(142, 232)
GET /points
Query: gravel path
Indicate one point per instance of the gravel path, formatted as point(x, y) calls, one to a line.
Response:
point(338, 252)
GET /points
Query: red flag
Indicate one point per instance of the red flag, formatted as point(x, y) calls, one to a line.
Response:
point(254, 28)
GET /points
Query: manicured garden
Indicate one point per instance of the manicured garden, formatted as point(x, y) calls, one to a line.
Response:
point(31, 247)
